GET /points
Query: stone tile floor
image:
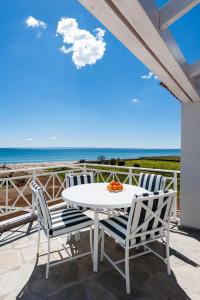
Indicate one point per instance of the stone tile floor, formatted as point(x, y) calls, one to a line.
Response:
point(22, 275)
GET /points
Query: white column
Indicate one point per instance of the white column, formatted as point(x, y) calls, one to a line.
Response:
point(190, 166)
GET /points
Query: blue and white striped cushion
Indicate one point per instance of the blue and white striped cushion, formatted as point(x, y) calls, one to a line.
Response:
point(152, 182)
point(41, 204)
point(117, 226)
point(68, 220)
point(84, 178)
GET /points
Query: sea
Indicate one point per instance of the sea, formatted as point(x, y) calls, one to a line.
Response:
point(38, 155)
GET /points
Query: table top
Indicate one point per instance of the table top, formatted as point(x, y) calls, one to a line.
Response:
point(96, 195)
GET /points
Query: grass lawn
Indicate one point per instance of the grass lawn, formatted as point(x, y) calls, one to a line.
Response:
point(154, 164)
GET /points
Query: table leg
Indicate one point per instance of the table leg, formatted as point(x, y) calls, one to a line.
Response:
point(96, 240)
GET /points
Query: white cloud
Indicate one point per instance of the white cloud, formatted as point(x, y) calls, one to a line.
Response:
point(86, 47)
point(52, 138)
point(37, 24)
point(33, 22)
point(30, 139)
point(149, 76)
point(135, 100)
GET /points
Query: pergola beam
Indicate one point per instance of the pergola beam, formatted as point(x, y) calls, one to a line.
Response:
point(194, 70)
point(135, 24)
point(107, 13)
point(163, 47)
point(173, 10)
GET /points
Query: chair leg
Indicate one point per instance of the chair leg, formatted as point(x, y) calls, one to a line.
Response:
point(168, 254)
point(38, 243)
point(77, 235)
point(127, 270)
point(69, 237)
point(102, 244)
point(48, 258)
point(91, 243)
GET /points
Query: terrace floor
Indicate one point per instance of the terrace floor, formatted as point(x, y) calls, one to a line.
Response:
point(22, 276)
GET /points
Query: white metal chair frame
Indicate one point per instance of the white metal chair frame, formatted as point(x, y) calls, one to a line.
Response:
point(132, 232)
point(44, 222)
point(150, 182)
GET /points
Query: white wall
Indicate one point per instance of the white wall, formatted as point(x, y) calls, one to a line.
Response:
point(190, 165)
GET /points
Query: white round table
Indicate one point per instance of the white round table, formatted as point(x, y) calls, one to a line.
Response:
point(97, 197)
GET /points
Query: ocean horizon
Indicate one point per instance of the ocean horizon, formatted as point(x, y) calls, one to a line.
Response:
point(56, 154)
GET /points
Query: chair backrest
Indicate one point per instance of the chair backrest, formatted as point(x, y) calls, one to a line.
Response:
point(41, 206)
point(75, 179)
point(152, 182)
point(149, 215)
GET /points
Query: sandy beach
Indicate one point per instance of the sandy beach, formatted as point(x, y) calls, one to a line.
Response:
point(35, 165)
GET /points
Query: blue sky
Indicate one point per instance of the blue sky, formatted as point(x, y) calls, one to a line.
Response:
point(47, 99)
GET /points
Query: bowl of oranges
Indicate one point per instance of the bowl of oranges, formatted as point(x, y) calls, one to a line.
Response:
point(115, 186)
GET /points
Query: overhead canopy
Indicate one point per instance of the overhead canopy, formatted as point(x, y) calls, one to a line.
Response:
point(143, 29)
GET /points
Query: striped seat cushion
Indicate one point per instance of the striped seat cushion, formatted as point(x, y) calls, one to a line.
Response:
point(152, 182)
point(117, 226)
point(68, 220)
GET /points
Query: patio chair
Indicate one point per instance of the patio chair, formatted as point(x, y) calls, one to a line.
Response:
point(148, 221)
point(76, 179)
point(152, 182)
point(58, 223)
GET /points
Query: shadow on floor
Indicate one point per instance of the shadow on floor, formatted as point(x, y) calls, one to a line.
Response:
point(194, 233)
point(17, 233)
point(76, 280)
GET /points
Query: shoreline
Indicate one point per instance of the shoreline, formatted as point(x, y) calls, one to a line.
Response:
point(15, 166)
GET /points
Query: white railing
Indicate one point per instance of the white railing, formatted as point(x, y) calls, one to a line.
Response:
point(130, 175)
point(15, 193)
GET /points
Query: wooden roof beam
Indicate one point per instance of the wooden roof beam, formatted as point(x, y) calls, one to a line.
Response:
point(173, 10)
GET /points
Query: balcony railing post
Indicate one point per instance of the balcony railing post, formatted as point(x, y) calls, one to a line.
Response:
point(53, 175)
point(33, 195)
point(84, 168)
point(130, 176)
point(6, 195)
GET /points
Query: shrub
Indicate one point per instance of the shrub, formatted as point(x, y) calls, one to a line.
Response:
point(121, 163)
point(136, 165)
point(113, 161)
